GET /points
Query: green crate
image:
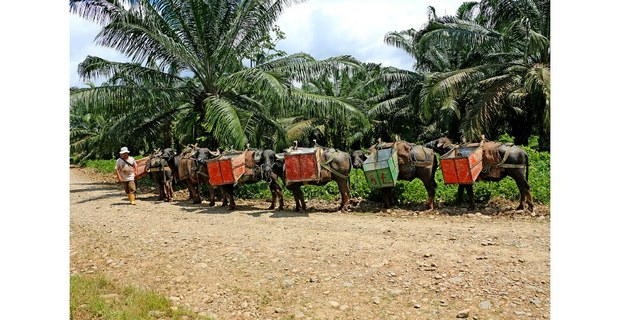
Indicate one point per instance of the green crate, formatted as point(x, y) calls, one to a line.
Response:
point(381, 168)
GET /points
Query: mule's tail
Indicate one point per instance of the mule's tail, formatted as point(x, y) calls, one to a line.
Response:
point(349, 176)
point(435, 161)
point(527, 167)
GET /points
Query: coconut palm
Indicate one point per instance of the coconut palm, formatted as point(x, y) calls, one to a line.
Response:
point(187, 72)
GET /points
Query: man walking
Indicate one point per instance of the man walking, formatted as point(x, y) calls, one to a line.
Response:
point(127, 170)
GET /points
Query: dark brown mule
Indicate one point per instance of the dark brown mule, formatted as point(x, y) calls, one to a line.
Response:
point(414, 161)
point(499, 161)
point(192, 168)
point(160, 169)
point(261, 163)
point(335, 166)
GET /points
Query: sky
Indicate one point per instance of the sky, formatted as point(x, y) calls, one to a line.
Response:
point(321, 28)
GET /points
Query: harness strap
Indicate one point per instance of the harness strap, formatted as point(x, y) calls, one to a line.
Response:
point(427, 162)
point(328, 167)
point(502, 163)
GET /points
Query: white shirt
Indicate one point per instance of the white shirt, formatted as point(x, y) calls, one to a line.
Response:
point(126, 171)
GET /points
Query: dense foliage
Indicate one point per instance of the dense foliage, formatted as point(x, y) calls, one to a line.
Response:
point(209, 72)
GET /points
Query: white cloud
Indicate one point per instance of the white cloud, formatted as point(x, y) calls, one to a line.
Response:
point(327, 28)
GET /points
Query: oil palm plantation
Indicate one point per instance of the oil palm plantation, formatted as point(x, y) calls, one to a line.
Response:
point(187, 74)
point(486, 70)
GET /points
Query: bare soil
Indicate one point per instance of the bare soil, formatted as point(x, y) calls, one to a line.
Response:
point(255, 263)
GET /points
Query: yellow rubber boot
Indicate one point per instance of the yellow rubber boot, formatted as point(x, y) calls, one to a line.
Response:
point(132, 199)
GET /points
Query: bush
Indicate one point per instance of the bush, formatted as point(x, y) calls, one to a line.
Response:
point(103, 166)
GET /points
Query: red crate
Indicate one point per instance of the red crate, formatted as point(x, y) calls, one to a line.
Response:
point(461, 165)
point(302, 164)
point(227, 169)
point(141, 167)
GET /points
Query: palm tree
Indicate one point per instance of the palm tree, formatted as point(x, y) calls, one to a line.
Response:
point(489, 66)
point(187, 74)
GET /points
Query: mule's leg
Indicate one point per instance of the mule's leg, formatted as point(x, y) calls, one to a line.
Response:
point(170, 194)
point(470, 195)
point(343, 187)
point(386, 197)
point(229, 191)
point(459, 194)
point(302, 199)
point(160, 189)
point(274, 195)
point(281, 195)
point(296, 190)
point(530, 201)
point(193, 192)
point(524, 189)
point(224, 196)
point(429, 185)
point(159, 180)
point(211, 195)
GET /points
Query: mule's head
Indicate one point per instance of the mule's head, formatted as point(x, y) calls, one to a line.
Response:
point(265, 159)
point(168, 154)
point(357, 158)
point(203, 154)
point(441, 145)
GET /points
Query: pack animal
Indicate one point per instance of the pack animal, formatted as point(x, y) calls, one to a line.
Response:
point(261, 163)
point(510, 160)
point(414, 161)
point(335, 166)
point(192, 169)
point(160, 168)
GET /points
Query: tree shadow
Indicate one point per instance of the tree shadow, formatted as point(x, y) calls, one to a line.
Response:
point(105, 196)
point(290, 214)
point(95, 186)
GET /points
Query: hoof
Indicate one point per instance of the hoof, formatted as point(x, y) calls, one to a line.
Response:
point(211, 204)
point(271, 208)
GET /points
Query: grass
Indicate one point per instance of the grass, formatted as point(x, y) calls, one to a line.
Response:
point(95, 297)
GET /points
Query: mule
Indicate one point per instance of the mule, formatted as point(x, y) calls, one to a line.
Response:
point(513, 162)
point(160, 169)
point(192, 169)
point(335, 166)
point(414, 161)
point(261, 163)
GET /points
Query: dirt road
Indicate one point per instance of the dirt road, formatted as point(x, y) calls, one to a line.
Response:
point(258, 264)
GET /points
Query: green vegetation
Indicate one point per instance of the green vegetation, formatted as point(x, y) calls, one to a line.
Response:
point(483, 70)
point(103, 166)
point(95, 297)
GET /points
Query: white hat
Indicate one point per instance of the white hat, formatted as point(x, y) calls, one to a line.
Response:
point(124, 150)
